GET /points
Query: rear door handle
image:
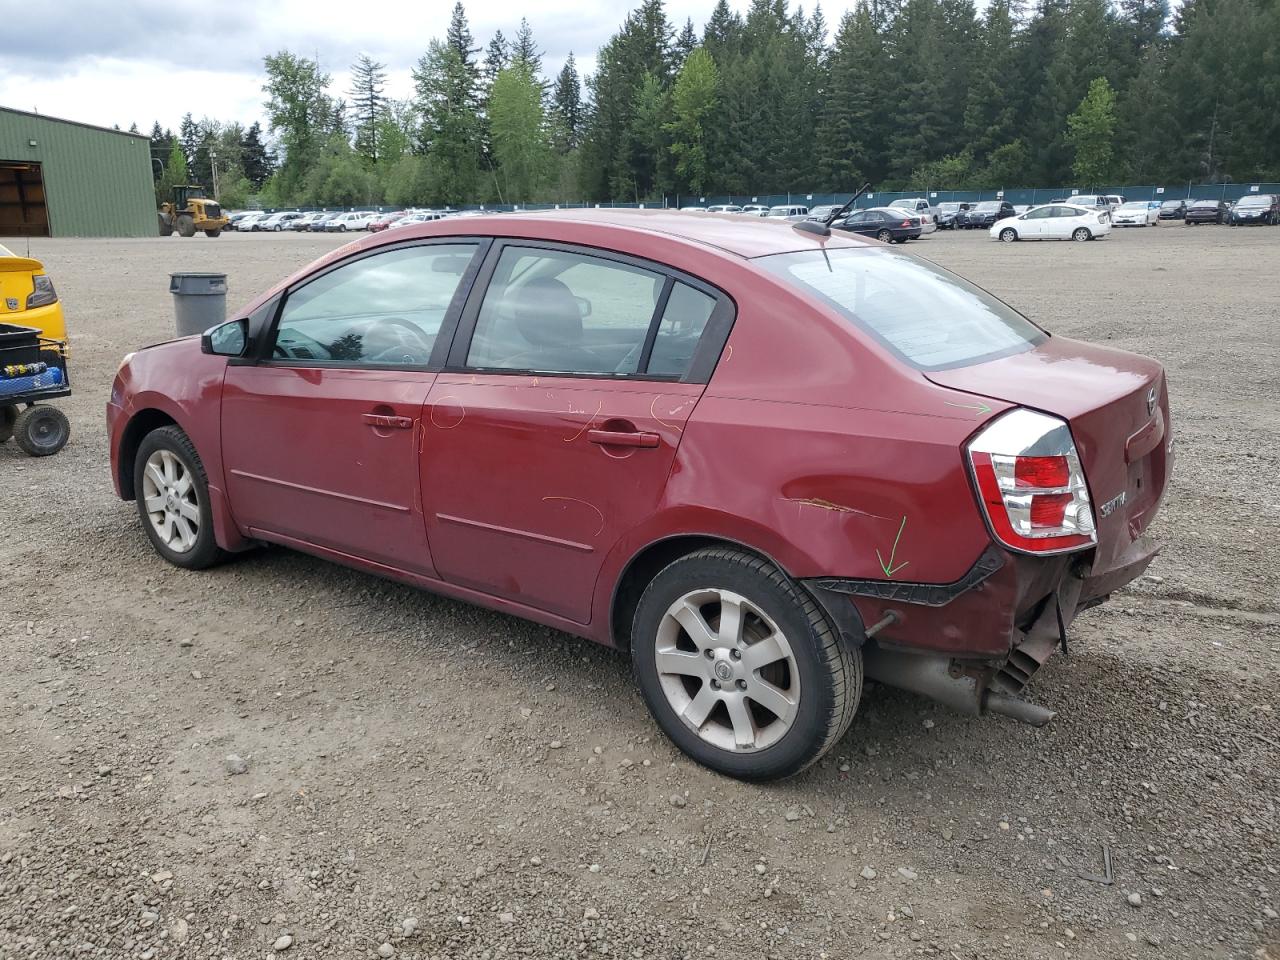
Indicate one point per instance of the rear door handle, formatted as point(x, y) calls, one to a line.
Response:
point(387, 422)
point(623, 438)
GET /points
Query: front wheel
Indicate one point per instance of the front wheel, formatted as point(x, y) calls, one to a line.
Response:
point(213, 232)
point(172, 494)
point(884, 236)
point(740, 667)
point(1081, 234)
point(1008, 235)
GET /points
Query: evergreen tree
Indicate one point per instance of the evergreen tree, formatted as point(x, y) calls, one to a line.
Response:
point(368, 80)
point(566, 105)
point(459, 38)
point(497, 57)
point(684, 43)
point(450, 130)
point(255, 159)
point(525, 51)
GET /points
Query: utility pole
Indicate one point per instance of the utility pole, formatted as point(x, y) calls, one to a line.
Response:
point(213, 167)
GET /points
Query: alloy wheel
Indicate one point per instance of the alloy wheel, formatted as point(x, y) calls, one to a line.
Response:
point(727, 670)
point(1081, 234)
point(169, 493)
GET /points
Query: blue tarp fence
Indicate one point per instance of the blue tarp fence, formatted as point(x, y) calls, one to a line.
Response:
point(1019, 195)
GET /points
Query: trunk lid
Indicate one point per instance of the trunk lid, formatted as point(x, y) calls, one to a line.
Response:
point(1117, 406)
point(15, 283)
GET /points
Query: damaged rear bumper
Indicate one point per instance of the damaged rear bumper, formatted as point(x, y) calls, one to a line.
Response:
point(976, 643)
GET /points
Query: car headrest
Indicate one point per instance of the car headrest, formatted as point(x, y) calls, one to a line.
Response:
point(547, 313)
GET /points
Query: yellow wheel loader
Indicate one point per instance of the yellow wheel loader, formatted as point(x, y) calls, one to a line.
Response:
point(189, 212)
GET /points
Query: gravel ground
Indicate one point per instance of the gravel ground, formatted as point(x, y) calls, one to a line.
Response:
point(282, 757)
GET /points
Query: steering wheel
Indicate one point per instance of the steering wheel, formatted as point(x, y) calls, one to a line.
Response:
point(405, 335)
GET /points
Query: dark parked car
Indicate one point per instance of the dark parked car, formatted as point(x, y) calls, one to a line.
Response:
point(884, 223)
point(1205, 211)
point(987, 212)
point(1173, 210)
point(948, 212)
point(594, 421)
point(321, 223)
point(1256, 209)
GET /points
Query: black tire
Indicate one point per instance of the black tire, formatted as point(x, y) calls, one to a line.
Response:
point(885, 236)
point(1081, 234)
point(829, 670)
point(214, 232)
point(342, 228)
point(205, 552)
point(186, 226)
point(8, 414)
point(41, 431)
point(1008, 235)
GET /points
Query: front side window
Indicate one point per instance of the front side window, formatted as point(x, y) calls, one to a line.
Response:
point(1040, 213)
point(382, 309)
point(930, 318)
point(559, 312)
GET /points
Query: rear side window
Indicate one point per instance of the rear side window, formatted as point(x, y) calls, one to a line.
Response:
point(558, 312)
point(683, 321)
point(930, 318)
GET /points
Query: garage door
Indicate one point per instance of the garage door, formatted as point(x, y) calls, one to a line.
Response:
point(22, 208)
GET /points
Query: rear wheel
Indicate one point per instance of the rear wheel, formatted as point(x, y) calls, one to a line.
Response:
point(740, 667)
point(173, 499)
point(213, 232)
point(1008, 235)
point(1081, 234)
point(186, 226)
point(8, 414)
point(884, 236)
point(41, 431)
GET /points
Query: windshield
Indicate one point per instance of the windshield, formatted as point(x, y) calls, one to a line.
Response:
point(988, 205)
point(948, 207)
point(1205, 203)
point(1134, 205)
point(930, 318)
point(1171, 204)
point(1254, 202)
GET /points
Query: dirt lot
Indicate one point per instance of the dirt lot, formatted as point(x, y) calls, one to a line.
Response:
point(433, 780)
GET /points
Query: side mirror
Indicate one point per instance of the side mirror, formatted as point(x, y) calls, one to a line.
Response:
point(227, 339)
point(584, 307)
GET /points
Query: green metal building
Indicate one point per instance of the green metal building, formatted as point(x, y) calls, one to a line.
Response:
point(59, 178)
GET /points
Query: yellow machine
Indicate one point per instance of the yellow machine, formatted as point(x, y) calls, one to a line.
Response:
point(189, 212)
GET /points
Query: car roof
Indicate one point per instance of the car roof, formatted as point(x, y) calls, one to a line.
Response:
point(723, 232)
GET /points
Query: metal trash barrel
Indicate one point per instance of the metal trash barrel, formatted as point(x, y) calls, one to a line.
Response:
point(199, 301)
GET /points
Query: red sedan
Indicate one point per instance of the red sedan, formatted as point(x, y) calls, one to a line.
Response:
point(764, 461)
point(384, 221)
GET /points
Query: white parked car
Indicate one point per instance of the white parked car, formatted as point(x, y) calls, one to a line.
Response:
point(724, 208)
point(356, 220)
point(919, 207)
point(251, 222)
point(304, 222)
point(791, 212)
point(279, 221)
point(421, 216)
point(1054, 221)
point(693, 209)
point(1135, 213)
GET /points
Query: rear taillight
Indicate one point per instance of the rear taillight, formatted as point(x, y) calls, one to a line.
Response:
point(906, 223)
point(43, 294)
point(1031, 484)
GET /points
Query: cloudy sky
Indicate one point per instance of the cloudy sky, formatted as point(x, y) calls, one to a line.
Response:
point(135, 61)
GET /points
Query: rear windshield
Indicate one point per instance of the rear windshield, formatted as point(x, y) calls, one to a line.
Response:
point(930, 318)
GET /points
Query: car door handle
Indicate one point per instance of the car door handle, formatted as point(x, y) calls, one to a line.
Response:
point(387, 422)
point(623, 438)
